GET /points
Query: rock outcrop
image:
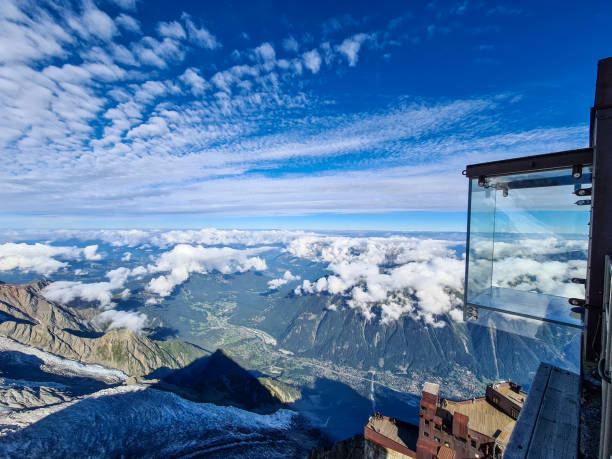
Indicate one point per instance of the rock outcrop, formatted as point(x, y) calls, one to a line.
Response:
point(28, 318)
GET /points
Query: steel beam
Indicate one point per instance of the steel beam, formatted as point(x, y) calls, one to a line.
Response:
point(600, 232)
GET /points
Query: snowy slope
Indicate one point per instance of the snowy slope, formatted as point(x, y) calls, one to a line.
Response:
point(134, 421)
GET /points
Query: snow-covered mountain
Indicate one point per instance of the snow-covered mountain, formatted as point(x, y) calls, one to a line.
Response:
point(51, 406)
point(141, 422)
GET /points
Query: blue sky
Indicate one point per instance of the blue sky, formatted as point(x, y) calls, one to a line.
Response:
point(269, 114)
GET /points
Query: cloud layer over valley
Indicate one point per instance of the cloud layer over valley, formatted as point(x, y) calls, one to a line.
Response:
point(383, 278)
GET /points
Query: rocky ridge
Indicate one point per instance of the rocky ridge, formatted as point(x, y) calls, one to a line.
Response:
point(29, 318)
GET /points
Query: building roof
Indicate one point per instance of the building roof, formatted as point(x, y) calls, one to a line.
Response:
point(505, 390)
point(446, 453)
point(432, 388)
point(483, 417)
point(400, 432)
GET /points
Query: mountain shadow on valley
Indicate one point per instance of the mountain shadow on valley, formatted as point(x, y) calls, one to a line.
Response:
point(218, 379)
point(158, 424)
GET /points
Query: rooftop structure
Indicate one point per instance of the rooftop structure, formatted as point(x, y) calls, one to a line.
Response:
point(392, 434)
point(479, 427)
point(475, 428)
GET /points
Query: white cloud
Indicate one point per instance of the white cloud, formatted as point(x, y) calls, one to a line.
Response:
point(290, 44)
point(128, 23)
point(312, 60)
point(185, 259)
point(350, 47)
point(125, 4)
point(29, 35)
point(112, 318)
point(126, 256)
point(400, 275)
point(158, 53)
point(98, 23)
point(456, 314)
point(67, 291)
point(80, 107)
point(171, 29)
point(155, 126)
point(91, 253)
point(100, 292)
point(274, 284)
point(216, 237)
point(196, 83)
point(266, 54)
point(200, 36)
point(39, 258)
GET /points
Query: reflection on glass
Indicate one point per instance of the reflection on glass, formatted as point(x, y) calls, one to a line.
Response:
point(534, 341)
point(528, 243)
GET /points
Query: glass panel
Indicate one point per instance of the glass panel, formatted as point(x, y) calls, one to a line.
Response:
point(481, 237)
point(528, 239)
point(533, 341)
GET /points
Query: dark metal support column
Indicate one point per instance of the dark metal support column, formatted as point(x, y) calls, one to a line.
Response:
point(601, 215)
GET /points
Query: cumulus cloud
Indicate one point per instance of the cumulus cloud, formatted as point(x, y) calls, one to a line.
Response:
point(199, 35)
point(540, 265)
point(194, 81)
point(100, 292)
point(287, 277)
point(350, 47)
point(128, 23)
point(98, 22)
point(312, 60)
point(185, 259)
point(42, 258)
point(127, 256)
point(125, 4)
point(171, 29)
point(290, 44)
point(398, 275)
point(265, 51)
point(33, 258)
point(163, 238)
point(112, 318)
point(91, 253)
point(217, 237)
point(156, 126)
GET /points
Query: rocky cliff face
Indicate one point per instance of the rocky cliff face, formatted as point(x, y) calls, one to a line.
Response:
point(356, 447)
point(504, 349)
point(28, 318)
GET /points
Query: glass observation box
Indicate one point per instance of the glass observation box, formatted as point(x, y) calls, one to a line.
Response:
point(528, 234)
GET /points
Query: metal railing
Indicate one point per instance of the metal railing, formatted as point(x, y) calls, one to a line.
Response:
point(605, 367)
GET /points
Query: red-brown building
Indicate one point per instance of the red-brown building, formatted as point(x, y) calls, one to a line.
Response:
point(475, 428)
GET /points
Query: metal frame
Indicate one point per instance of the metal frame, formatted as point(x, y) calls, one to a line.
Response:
point(549, 161)
point(604, 368)
point(466, 316)
point(600, 238)
point(527, 164)
point(599, 156)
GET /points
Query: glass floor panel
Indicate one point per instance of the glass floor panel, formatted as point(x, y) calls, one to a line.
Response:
point(538, 306)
